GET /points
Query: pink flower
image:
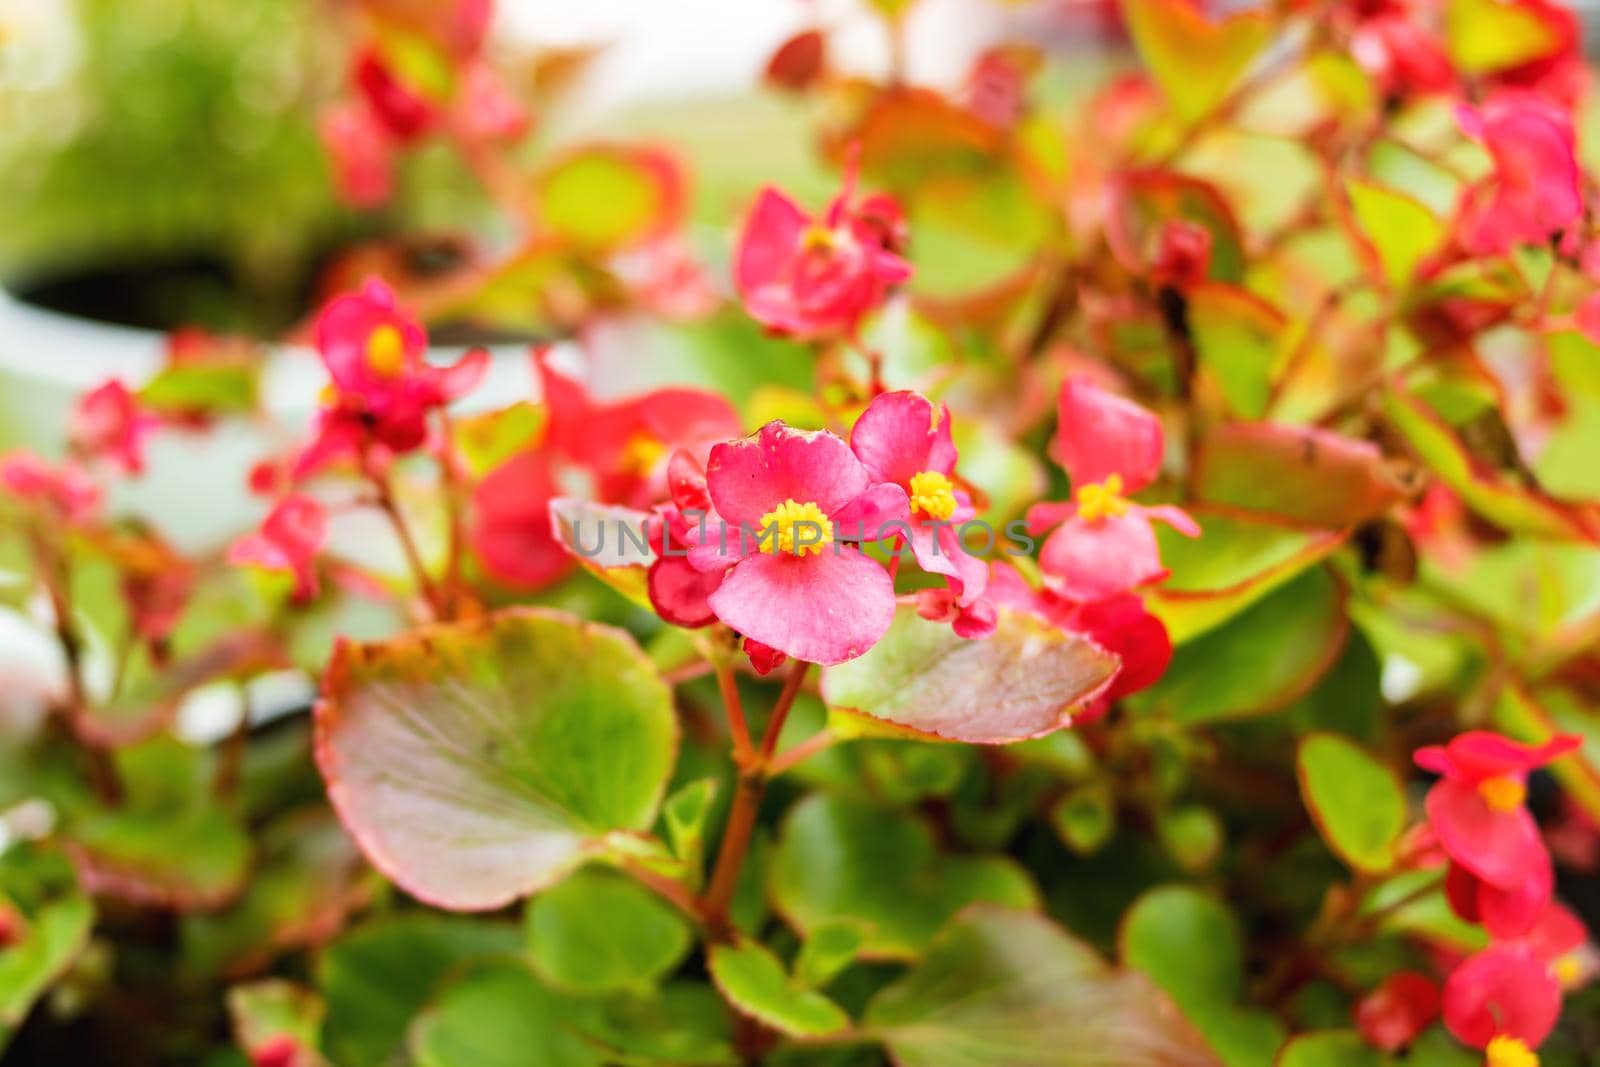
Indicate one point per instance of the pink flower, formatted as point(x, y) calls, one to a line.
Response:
point(485, 108)
point(1503, 1000)
point(107, 424)
point(404, 112)
point(1505, 912)
point(383, 390)
point(1394, 1015)
point(66, 492)
point(678, 590)
point(1535, 190)
point(1560, 74)
point(810, 277)
point(902, 441)
point(1103, 543)
point(512, 533)
point(791, 500)
point(1400, 54)
point(289, 540)
point(1476, 808)
point(361, 153)
point(1183, 256)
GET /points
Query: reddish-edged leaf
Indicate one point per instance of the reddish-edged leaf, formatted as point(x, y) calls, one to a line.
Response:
point(1299, 473)
point(1195, 60)
point(477, 762)
point(1140, 203)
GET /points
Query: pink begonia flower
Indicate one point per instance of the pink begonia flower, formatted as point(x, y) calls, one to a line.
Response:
point(289, 540)
point(1560, 939)
point(1505, 912)
point(1103, 543)
point(791, 499)
point(901, 440)
point(383, 389)
point(108, 424)
point(1394, 1015)
point(1183, 256)
point(1476, 808)
point(1404, 57)
point(618, 450)
point(1535, 190)
point(404, 112)
point(1503, 1000)
point(809, 277)
point(486, 109)
point(361, 153)
point(678, 591)
point(67, 491)
point(1560, 74)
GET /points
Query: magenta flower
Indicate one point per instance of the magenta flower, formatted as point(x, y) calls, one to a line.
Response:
point(1503, 1000)
point(902, 441)
point(289, 540)
point(678, 590)
point(383, 390)
point(66, 491)
point(361, 153)
point(107, 424)
point(810, 277)
point(1103, 543)
point(1535, 190)
point(1394, 1015)
point(791, 500)
point(1476, 808)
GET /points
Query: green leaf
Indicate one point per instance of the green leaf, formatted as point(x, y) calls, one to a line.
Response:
point(489, 439)
point(499, 1016)
point(846, 859)
point(1188, 943)
point(1299, 473)
point(1238, 339)
point(1194, 60)
point(1086, 818)
point(753, 980)
point(1491, 35)
point(1023, 681)
point(976, 233)
point(685, 813)
point(1142, 202)
point(607, 197)
point(376, 977)
point(1329, 1048)
point(480, 761)
point(1400, 229)
point(273, 1008)
point(829, 949)
point(56, 922)
point(599, 931)
point(202, 388)
point(682, 1023)
point(1232, 564)
point(1356, 801)
point(1268, 656)
point(1005, 987)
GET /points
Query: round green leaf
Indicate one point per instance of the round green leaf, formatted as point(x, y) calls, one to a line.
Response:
point(1356, 801)
point(843, 858)
point(477, 762)
point(1006, 987)
point(754, 981)
point(1023, 681)
point(606, 197)
point(1329, 1048)
point(499, 1016)
point(599, 931)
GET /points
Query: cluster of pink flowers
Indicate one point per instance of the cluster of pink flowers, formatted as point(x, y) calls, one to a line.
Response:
point(1506, 997)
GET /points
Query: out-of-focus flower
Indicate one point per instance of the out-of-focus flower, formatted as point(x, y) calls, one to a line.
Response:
point(818, 277)
point(362, 155)
point(1405, 57)
point(1534, 192)
point(792, 499)
point(1183, 257)
point(109, 425)
point(65, 491)
point(1103, 544)
point(1503, 1000)
point(383, 390)
point(1393, 1015)
point(289, 540)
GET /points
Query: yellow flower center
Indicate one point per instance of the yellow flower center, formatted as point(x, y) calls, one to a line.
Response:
point(933, 496)
point(1568, 970)
point(1100, 500)
point(817, 237)
point(386, 351)
point(641, 454)
point(1505, 793)
point(1507, 1051)
point(796, 529)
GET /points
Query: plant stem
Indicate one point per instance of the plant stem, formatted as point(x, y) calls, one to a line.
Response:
point(743, 752)
point(780, 713)
point(386, 503)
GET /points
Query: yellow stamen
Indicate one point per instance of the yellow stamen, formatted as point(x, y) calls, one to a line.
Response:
point(1101, 500)
point(1568, 970)
point(933, 496)
point(386, 351)
point(795, 528)
point(816, 237)
point(1505, 793)
point(641, 454)
point(1507, 1051)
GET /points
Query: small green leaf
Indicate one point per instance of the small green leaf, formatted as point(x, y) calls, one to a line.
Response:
point(607, 197)
point(57, 920)
point(1085, 818)
point(1491, 35)
point(202, 388)
point(499, 1016)
point(1024, 680)
point(1005, 987)
point(274, 1008)
point(829, 949)
point(685, 814)
point(1356, 801)
point(477, 762)
point(1401, 229)
point(488, 440)
point(753, 980)
point(1194, 60)
point(1239, 339)
point(599, 931)
point(1188, 943)
point(843, 858)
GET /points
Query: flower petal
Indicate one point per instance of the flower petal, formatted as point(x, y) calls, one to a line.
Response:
point(894, 436)
point(1092, 561)
point(749, 477)
point(824, 608)
point(1498, 846)
point(1099, 434)
point(1505, 989)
